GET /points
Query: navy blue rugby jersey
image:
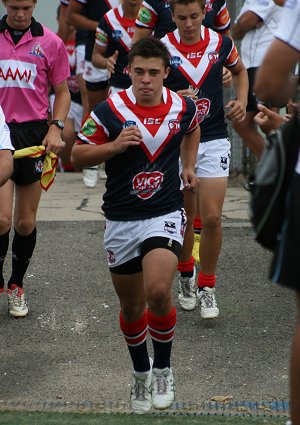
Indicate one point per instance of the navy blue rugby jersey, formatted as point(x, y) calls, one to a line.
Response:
point(94, 10)
point(156, 15)
point(200, 66)
point(115, 33)
point(142, 182)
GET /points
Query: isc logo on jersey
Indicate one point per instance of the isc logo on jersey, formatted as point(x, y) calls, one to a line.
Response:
point(194, 55)
point(17, 74)
point(146, 184)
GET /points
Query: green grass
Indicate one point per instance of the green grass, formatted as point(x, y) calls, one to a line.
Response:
point(43, 418)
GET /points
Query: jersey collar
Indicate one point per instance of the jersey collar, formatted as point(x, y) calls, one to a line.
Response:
point(36, 28)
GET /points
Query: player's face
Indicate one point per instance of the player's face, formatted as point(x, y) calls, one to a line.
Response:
point(147, 76)
point(19, 13)
point(188, 19)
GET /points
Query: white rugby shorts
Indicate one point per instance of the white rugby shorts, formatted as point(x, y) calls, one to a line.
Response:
point(123, 239)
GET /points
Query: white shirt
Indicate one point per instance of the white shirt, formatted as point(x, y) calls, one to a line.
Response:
point(289, 32)
point(256, 41)
point(5, 142)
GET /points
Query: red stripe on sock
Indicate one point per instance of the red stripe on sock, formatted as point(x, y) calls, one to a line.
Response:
point(197, 223)
point(135, 333)
point(161, 328)
point(206, 280)
point(186, 266)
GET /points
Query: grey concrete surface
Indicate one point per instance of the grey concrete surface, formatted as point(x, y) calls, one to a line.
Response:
point(70, 348)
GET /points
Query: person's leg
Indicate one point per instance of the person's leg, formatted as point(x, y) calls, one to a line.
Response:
point(6, 205)
point(134, 326)
point(186, 291)
point(69, 137)
point(26, 204)
point(211, 199)
point(159, 268)
point(295, 371)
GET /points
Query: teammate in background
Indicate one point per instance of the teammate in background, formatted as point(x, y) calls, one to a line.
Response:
point(155, 17)
point(140, 133)
point(6, 151)
point(255, 27)
point(198, 55)
point(74, 119)
point(113, 41)
point(27, 49)
point(85, 14)
point(272, 84)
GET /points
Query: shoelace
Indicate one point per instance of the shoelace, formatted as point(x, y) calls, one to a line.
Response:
point(140, 389)
point(17, 297)
point(162, 384)
point(208, 300)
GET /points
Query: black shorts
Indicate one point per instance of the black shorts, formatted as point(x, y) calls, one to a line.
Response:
point(252, 103)
point(285, 268)
point(24, 135)
point(100, 85)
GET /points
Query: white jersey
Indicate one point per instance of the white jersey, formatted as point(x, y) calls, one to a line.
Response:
point(289, 32)
point(5, 142)
point(256, 41)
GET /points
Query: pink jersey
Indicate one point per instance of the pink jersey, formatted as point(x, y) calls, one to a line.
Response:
point(40, 58)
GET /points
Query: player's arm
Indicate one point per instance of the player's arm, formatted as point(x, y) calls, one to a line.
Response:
point(94, 147)
point(77, 19)
point(245, 23)
point(98, 57)
point(64, 29)
point(273, 80)
point(188, 155)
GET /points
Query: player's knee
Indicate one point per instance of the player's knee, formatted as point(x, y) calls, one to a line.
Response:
point(5, 224)
point(211, 222)
point(25, 226)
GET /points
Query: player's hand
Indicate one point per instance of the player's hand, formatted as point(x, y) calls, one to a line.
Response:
point(268, 120)
point(111, 63)
point(227, 79)
point(130, 136)
point(189, 179)
point(237, 110)
point(190, 92)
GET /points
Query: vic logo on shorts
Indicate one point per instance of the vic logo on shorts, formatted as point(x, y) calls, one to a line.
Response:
point(170, 227)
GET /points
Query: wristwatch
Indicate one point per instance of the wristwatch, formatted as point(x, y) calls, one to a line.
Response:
point(60, 124)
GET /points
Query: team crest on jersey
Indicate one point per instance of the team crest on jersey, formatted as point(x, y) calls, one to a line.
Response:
point(174, 126)
point(144, 15)
point(128, 123)
point(146, 184)
point(209, 6)
point(37, 51)
point(39, 165)
point(116, 35)
point(89, 128)
point(111, 258)
point(224, 162)
point(213, 57)
point(203, 108)
point(175, 61)
point(170, 227)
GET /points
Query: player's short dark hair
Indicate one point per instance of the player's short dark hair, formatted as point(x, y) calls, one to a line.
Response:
point(202, 3)
point(149, 48)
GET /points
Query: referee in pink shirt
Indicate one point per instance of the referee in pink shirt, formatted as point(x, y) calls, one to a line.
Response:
point(31, 58)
